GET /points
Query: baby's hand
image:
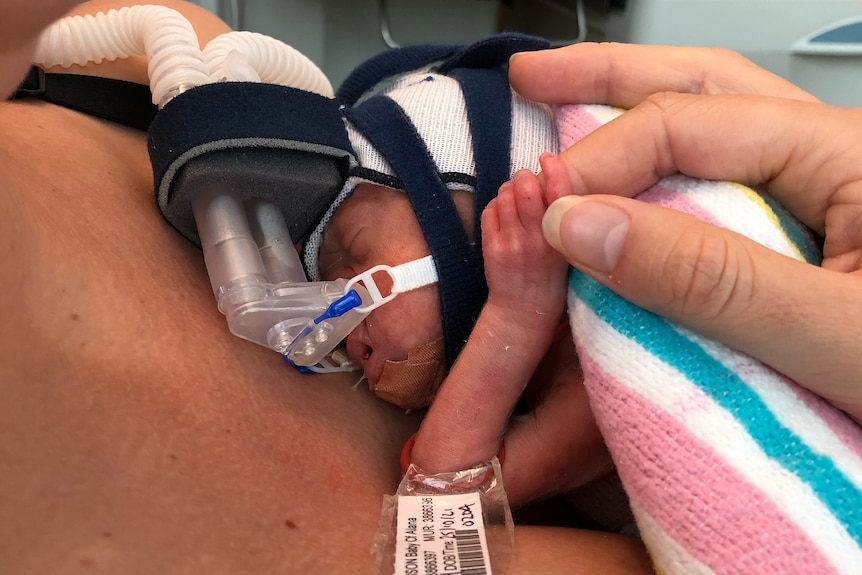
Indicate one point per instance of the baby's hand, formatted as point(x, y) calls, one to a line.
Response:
point(525, 274)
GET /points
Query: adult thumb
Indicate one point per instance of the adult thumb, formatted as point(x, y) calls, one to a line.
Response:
point(664, 260)
point(787, 313)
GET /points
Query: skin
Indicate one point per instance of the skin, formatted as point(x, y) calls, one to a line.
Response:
point(802, 320)
point(724, 285)
point(136, 434)
point(511, 347)
point(355, 241)
point(716, 282)
point(512, 343)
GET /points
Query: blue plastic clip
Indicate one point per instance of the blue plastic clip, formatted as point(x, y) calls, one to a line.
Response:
point(339, 307)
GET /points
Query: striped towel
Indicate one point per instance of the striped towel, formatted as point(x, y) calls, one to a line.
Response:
point(729, 466)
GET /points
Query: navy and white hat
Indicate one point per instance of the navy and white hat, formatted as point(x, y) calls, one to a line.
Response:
point(430, 119)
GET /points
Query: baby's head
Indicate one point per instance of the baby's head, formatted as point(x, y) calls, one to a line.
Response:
point(434, 142)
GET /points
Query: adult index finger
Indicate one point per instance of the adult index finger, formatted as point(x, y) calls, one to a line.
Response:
point(802, 152)
point(625, 74)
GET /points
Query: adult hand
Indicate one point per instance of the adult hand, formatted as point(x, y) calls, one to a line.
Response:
point(624, 75)
point(804, 321)
point(795, 317)
point(616, 160)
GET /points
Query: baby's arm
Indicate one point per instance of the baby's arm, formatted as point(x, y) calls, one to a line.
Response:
point(527, 289)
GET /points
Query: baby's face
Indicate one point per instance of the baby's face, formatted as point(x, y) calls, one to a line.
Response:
point(376, 225)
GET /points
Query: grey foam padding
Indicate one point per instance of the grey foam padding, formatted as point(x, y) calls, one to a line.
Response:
point(264, 141)
point(301, 184)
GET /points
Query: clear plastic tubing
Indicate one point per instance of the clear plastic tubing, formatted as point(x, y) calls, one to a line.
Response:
point(175, 60)
point(279, 255)
point(232, 257)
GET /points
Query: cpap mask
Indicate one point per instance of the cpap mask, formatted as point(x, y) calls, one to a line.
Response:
point(251, 154)
point(262, 290)
point(248, 149)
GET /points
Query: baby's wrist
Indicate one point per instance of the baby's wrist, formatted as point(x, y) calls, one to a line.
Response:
point(516, 317)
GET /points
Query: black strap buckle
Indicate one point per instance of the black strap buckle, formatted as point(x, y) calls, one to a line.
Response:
point(33, 84)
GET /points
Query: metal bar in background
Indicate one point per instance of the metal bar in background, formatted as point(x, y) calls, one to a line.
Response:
point(555, 20)
point(385, 30)
point(578, 13)
point(383, 11)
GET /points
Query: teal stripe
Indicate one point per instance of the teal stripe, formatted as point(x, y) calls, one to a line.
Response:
point(727, 389)
point(800, 235)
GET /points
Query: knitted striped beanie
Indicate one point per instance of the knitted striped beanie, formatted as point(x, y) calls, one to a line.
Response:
point(430, 119)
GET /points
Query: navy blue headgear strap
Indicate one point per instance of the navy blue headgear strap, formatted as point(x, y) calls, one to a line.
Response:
point(459, 264)
point(481, 73)
point(488, 98)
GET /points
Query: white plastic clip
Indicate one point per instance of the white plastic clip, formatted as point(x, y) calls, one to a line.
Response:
point(367, 279)
point(405, 277)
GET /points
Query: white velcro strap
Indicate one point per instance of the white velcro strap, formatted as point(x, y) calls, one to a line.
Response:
point(414, 274)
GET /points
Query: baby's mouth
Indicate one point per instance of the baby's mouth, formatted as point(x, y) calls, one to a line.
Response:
point(374, 367)
point(360, 350)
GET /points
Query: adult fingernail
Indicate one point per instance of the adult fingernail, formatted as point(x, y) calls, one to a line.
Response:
point(587, 232)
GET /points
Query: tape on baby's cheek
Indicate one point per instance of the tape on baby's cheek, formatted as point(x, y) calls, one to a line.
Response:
point(413, 382)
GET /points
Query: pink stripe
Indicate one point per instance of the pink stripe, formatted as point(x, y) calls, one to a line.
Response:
point(699, 499)
point(573, 123)
point(677, 200)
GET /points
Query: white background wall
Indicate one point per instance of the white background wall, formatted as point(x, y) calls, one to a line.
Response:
point(339, 34)
point(353, 27)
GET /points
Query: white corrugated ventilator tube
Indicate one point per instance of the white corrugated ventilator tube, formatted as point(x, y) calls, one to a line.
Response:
point(175, 61)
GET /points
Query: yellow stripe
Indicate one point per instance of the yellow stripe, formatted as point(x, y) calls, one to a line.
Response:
point(756, 198)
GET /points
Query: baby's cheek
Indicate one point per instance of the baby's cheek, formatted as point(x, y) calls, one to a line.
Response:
point(410, 322)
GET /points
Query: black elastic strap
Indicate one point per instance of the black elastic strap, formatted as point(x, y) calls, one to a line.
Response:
point(459, 264)
point(490, 52)
point(125, 103)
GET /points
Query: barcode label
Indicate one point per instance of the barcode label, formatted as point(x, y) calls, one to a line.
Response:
point(441, 535)
point(471, 555)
